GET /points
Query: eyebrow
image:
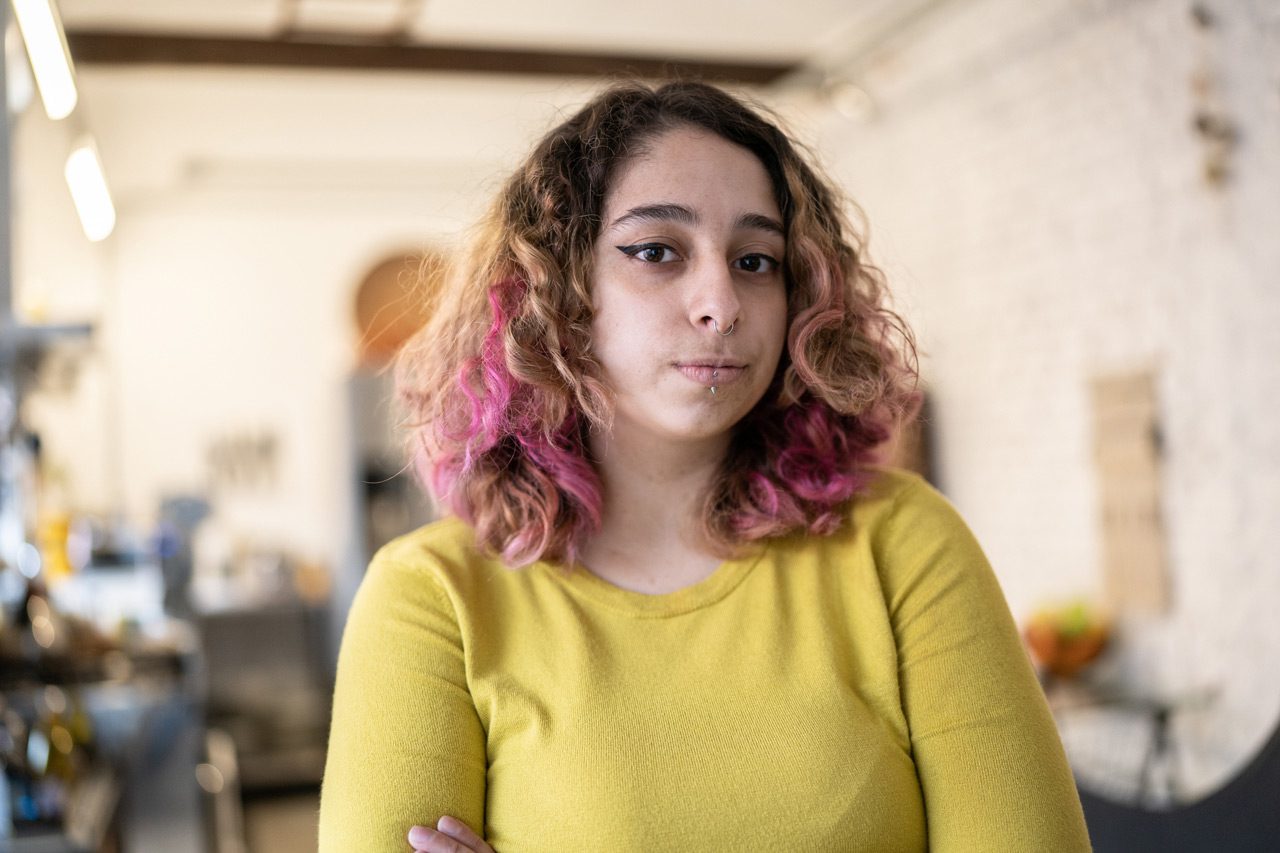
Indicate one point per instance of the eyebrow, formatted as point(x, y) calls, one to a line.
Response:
point(669, 212)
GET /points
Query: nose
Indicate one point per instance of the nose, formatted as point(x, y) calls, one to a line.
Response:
point(713, 302)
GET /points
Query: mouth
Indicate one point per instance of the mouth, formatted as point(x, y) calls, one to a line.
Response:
point(711, 372)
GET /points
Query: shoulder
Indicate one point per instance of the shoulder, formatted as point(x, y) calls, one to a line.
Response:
point(894, 508)
point(920, 544)
point(441, 561)
point(889, 485)
point(896, 500)
point(425, 564)
point(446, 541)
point(897, 523)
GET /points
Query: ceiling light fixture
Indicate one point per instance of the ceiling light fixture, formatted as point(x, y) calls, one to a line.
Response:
point(89, 191)
point(20, 87)
point(50, 59)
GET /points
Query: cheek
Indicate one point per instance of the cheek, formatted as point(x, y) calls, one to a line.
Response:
point(775, 309)
point(624, 322)
point(619, 338)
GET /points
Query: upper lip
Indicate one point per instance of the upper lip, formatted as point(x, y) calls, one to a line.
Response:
point(709, 362)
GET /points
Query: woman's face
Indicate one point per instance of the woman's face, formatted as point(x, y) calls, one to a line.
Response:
point(691, 246)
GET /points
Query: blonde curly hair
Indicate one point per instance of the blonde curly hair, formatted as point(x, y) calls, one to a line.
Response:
point(500, 388)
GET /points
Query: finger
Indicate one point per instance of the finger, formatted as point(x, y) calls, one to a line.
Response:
point(427, 840)
point(455, 828)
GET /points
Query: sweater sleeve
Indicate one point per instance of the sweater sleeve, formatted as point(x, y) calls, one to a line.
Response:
point(406, 745)
point(991, 766)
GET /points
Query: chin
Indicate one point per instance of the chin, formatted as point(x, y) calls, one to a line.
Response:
point(711, 419)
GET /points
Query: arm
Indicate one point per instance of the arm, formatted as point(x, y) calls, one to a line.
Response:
point(992, 769)
point(406, 746)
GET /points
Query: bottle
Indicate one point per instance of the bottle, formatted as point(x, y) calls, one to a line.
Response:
point(53, 525)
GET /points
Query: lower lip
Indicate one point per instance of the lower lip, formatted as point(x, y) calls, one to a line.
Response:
point(706, 375)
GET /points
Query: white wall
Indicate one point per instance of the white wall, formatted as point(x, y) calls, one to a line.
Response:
point(59, 277)
point(1035, 190)
point(250, 205)
point(57, 273)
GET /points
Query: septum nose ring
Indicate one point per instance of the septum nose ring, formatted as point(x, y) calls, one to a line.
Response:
point(725, 333)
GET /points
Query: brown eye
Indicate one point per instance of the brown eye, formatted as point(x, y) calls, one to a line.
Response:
point(653, 253)
point(757, 263)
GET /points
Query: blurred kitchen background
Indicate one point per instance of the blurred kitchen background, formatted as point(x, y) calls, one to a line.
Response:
point(217, 229)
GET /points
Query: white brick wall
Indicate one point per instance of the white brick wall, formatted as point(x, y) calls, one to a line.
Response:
point(1035, 190)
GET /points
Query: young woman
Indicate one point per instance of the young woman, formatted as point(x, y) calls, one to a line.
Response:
point(678, 607)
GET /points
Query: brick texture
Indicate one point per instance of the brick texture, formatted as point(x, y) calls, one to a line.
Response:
point(1039, 195)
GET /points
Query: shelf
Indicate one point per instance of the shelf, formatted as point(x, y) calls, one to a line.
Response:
point(16, 340)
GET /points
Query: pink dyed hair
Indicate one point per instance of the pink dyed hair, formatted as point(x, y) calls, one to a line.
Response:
point(501, 388)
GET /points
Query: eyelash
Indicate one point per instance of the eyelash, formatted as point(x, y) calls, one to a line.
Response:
point(635, 249)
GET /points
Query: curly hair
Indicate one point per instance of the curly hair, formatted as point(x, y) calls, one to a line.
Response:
point(501, 388)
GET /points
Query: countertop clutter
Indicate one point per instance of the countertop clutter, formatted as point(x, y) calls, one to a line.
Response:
point(101, 692)
point(140, 697)
point(83, 712)
point(82, 727)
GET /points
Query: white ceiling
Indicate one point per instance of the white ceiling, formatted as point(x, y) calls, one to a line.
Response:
point(738, 29)
point(421, 138)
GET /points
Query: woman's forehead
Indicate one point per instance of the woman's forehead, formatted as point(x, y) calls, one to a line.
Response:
point(693, 169)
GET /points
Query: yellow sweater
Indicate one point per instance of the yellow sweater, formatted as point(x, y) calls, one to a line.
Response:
point(863, 691)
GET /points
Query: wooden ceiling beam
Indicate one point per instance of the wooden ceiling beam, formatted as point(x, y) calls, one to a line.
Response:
point(103, 47)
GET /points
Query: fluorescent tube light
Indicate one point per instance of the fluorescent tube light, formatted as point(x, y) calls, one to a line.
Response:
point(50, 60)
point(21, 88)
point(89, 192)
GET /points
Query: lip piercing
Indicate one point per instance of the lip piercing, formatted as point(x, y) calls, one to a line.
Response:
point(716, 373)
point(725, 333)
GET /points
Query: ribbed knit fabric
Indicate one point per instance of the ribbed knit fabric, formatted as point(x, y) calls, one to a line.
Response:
point(863, 691)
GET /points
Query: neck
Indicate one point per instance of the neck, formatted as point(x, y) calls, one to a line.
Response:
point(653, 488)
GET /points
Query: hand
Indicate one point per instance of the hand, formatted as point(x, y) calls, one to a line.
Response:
point(450, 836)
